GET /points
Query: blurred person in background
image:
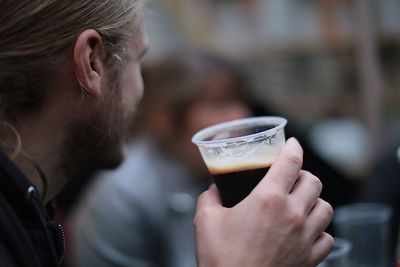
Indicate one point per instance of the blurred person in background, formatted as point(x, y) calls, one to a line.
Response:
point(149, 219)
point(69, 81)
point(339, 188)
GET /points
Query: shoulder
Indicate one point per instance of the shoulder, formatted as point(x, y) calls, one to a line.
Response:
point(6, 256)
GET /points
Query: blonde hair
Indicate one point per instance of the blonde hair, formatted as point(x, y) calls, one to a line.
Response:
point(39, 29)
point(35, 34)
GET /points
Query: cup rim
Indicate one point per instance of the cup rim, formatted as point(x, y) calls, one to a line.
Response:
point(363, 212)
point(343, 247)
point(258, 120)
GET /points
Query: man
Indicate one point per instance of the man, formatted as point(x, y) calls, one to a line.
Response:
point(69, 79)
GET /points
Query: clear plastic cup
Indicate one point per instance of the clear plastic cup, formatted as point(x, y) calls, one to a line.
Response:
point(367, 227)
point(339, 255)
point(239, 153)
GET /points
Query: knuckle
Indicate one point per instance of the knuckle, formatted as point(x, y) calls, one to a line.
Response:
point(296, 219)
point(271, 198)
point(327, 208)
point(329, 240)
point(312, 182)
point(326, 245)
point(315, 182)
point(294, 157)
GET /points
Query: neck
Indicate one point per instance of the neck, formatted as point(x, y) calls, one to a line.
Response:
point(39, 159)
point(40, 168)
point(11, 145)
point(34, 173)
point(35, 149)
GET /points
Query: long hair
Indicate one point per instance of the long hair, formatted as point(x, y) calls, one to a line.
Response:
point(36, 34)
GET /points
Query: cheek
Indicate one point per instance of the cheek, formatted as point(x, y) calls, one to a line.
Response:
point(132, 88)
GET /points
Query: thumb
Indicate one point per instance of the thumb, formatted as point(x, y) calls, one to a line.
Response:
point(285, 170)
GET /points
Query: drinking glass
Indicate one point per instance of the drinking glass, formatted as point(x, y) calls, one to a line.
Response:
point(239, 153)
point(339, 255)
point(367, 227)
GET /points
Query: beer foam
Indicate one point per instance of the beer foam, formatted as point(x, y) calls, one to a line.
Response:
point(262, 159)
point(237, 168)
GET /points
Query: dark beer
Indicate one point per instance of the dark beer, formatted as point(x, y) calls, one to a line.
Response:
point(239, 153)
point(236, 184)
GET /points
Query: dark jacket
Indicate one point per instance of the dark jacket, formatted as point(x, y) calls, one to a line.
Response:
point(28, 235)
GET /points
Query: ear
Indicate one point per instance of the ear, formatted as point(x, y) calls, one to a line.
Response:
point(87, 56)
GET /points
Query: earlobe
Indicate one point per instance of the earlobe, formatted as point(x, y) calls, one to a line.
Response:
point(88, 64)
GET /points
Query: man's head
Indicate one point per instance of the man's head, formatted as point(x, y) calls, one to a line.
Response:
point(69, 80)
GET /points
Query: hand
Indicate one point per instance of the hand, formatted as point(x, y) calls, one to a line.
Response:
point(280, 224)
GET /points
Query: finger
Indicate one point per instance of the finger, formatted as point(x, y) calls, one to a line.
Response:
point(209, 198)
point(306, 191)
point(319, 219)
point(285, 170)
point(322, 246)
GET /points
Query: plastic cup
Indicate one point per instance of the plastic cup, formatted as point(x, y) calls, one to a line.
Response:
point(339, 255)
point(367, 227)
point(239, 153)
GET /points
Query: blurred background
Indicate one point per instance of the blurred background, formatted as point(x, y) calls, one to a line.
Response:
point(331, 66)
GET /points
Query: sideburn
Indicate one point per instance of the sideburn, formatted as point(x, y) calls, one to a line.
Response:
point(96, 142)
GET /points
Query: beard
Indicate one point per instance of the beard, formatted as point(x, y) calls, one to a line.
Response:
point(98, 141)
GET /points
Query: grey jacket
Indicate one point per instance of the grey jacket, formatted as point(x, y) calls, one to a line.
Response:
point(139, 215)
